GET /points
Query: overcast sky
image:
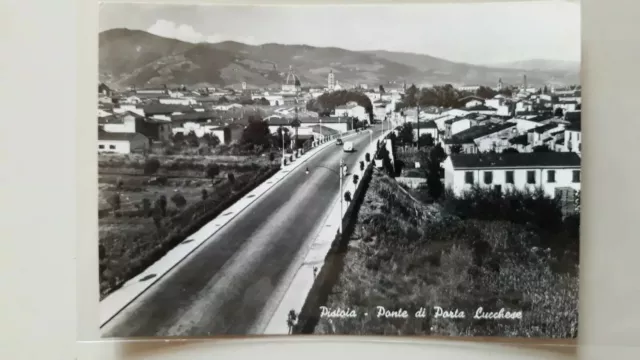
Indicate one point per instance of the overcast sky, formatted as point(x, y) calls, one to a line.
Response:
point(473, 33)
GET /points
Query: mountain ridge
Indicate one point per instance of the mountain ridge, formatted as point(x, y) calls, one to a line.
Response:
point(135, 57)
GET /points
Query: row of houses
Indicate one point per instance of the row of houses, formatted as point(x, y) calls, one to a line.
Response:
point(558, 174)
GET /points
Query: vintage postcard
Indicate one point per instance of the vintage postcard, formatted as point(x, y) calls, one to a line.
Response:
point(361, 170)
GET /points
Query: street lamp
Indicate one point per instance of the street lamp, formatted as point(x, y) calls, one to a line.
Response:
point(282, 134)
point(340, 175)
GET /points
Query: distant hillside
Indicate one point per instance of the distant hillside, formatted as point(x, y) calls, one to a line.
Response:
point(134, 57)
point(542, 65)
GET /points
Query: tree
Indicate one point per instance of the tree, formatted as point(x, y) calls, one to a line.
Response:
point(367, 157)
point(179, 200)
point(510, 151)
point(283, 131)
point(411, 96)
point(272, 156)
point(264, 102)
point(231, 178)
point(486, 92)
point(381, 88)
point(456, 149)
point(296, 124)
point(151, 166)
point(257, 132)
point(426, 140)
point(178, 138)
point(210, 140)
point(406, 134)
point(355, 179)
point(361, 165)
point(205, 194)
point(192, 139)
point(212, 171)
point(347, 197)
point(438, 153)
point(434, 185)
point(558, 112)
point(101, 252)
point(114, 201)
point(223, 100)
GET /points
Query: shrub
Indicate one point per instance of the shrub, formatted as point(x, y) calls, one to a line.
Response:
point(347, 196)
point(361, 165)
point(272, 157)
point(290, 158)
point(355, 179)
point(231, 178)
point(179, 200)
point(205, 194)
point(367, 157)
point(151, 166)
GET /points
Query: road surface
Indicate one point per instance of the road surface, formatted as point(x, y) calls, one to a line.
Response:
point(222, 288)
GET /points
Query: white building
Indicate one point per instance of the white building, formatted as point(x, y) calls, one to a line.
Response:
point(121, 143)
point(554, 172)
point(351, 110)
point(178, 101)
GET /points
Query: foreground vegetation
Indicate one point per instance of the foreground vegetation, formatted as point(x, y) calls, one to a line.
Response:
point(512, 251)
point(148, 205)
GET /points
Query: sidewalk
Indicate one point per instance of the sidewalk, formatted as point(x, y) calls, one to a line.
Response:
point(136, 286)
point(298, 289)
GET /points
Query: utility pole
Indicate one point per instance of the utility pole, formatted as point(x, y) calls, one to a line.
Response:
point(341, 194)
point(418, 124)
point(282, 134)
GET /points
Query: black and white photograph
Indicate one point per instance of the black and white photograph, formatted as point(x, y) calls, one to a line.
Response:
point(405, 170)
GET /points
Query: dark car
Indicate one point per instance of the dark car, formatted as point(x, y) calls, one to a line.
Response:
point(339, 142)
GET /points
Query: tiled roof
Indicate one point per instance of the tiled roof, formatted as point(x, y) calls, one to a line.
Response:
point(118, 136)
point(544, 128)
point(195, 116)
point(164, 109)
point(475, 132)
point(516, 160)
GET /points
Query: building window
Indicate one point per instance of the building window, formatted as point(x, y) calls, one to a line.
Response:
point(531, 177)
point(551, 176)
point(468, 177)
point(510, 177)
point(578, 136)
point(488, 177)
point(112, 147)
point(576, 176)
point(100, 146)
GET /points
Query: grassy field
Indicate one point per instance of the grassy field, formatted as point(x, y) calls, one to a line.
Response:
point(406, 254)
point(132, 237)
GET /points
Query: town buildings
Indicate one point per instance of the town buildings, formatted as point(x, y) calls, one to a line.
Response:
point(554, 172)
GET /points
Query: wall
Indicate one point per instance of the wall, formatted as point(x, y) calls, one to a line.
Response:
point(128, 126)
point(462, 125)
point(497, 141)
point(120, 147)
point(573, 141)
point(563, 179)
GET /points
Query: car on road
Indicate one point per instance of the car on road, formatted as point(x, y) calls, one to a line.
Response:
point(348, 146)
point(339, 142)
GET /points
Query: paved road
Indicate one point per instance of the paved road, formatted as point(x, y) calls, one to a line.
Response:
point(223, 287)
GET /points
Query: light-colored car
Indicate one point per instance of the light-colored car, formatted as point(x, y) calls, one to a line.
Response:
point(348, 146)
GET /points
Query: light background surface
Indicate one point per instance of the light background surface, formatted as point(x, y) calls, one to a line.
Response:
point(48, 69)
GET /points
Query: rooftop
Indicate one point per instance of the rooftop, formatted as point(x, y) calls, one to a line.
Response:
point(474, 132)
point(117, 136)
point(544, 128)
point(516, 160)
